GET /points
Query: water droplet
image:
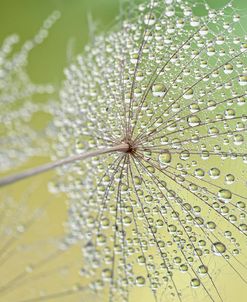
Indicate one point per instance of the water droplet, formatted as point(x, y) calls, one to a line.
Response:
point(188, 93)
point(224, 195)
point(218, 248)
point(140, 281)
point(199, 173)
point(193, 121)
point(228, 68)
point(195, 283)
point(149, 19)
point(214, 173)
point(165, 158)
point(243, 80)
point(229, 179)
point(202, 270)
point(158, 90)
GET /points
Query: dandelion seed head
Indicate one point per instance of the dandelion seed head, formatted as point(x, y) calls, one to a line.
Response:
point(170, 83)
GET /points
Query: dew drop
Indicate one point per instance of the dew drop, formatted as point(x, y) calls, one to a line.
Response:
point(243, 80)
point(140, 281)
point(228, 68)
point(195, 283)
point(165, 158)
point(218, 248)
point(149, 19)
point(224, 195)
point(158, 90)
point(193, 121)
point(229, 179)
point(214, 173)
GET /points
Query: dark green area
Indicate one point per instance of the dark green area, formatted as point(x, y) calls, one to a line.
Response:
point(71, 31)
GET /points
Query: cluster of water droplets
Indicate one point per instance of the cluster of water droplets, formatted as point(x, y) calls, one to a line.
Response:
point(170, 79)
point(174, 81)
point(18, 138)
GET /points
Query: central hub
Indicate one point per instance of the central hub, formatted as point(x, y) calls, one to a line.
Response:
point(132, 147)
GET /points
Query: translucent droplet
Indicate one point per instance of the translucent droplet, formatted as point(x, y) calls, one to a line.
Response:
point(229, 113)
point(158, 90)
point(224, 195)
point(140, 281)
point(165, 158)
point(213, 131)
point(170, 11)
point(202, 270)
point(194, 21)
point(127, 220)
point(193, 121)
point(149, 19)
point(141, 260)
point(203, 31)
point(183, 268)
point(195, 283)
point(228, 68)
point(199, 173)
point(220, 40)
point(139, 76)
point(243, 227)
point(211, 225)
point(134, 58)
point(243, 80)
point(229, 179)
point(137, 181)
point(211, 51)
point(238, 139)
point(218, 248)
point(188, 94)
point(184, 155)
point(214, 173)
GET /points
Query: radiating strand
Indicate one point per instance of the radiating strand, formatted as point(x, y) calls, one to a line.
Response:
point(137, 229)
point(198, 197)
point(123, 234)
point(203, 124)
point(153, 178)
point(192, 86)
point(157, 149)
point(214, 185)
point(152, 134)
point(162, 171)
point(142, 44)
point(115, 240)
point(166, 92)
point(152, 81)
point(153, 234)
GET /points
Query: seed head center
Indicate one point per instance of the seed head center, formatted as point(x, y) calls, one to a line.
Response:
point(132, 146)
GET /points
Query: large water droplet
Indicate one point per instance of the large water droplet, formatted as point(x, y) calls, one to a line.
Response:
point(193, 121)
point(218, 248)
point(165, 158)
point(224, 195)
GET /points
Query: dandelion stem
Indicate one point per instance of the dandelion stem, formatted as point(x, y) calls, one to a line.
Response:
point(49, 166)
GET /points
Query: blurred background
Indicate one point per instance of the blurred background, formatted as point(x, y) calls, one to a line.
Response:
point(66, 38)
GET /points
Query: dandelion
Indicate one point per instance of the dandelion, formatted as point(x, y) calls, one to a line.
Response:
point(152, 122)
